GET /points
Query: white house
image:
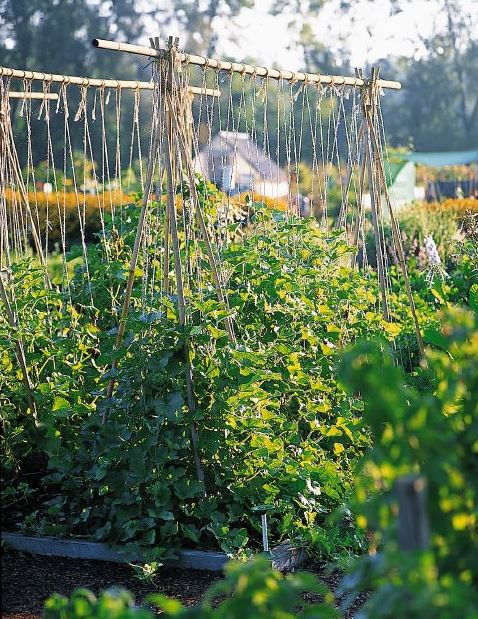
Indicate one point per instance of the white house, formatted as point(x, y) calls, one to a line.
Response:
point(236, 164)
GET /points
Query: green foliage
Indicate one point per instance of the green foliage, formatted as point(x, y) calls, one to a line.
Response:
point(250, 590)
point(416, 222)
point(433, 434)
point(274, 426)
point(110, 604)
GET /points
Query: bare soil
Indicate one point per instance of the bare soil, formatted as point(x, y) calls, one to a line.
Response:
point(28, 580)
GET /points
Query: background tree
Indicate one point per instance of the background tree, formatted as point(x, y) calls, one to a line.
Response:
point(202, 22)
point(437, 108)
point(57, 34)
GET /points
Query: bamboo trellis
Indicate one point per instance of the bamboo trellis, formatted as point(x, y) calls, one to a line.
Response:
point(170, 61)
point(170, 141)
point(369, 88)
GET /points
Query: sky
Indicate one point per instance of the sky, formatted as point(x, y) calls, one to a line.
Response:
point(371, 32)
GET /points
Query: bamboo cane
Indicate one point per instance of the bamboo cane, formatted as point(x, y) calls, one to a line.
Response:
point(33, 95)
point(235, 67)
point(134, 256)
point(360, 211)
point(19, 351)
point(397, 240)
point(368, 102)
point(90, 81)
point(169, 133)
point(166, 252)
point(200, 218)
point(374, 208)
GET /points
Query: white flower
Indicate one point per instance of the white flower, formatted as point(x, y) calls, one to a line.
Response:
point(434, 261)
point(432, 251)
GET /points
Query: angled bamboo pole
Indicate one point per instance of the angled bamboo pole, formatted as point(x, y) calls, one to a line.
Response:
point(19, 350)
point(360, 211)
point(367, 105)
point(199, 215)
point(134, 256)
point(167, 252)
point(373, 156)
point(169, 136)
point(397, 240)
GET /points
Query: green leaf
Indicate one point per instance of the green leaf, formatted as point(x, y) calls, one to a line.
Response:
point(473, 297)
point(60, 404)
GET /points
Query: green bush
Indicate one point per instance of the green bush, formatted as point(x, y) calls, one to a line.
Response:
point(251, 590)
point(434, 434)
point(274, 426)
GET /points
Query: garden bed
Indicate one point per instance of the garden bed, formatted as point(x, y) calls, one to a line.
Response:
point(81, 549)
point(285, 557)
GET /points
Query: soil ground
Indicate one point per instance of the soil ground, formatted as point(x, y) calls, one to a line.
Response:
point(28, 580)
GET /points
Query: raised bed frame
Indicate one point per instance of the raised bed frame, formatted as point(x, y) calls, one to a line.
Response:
point(283, 557)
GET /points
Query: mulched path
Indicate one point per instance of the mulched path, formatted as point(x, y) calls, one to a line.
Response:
point(28, 580)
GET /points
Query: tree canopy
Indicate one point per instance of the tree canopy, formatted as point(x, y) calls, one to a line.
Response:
point(437, 108)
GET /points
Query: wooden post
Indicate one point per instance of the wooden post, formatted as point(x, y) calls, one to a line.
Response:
point(413, 528)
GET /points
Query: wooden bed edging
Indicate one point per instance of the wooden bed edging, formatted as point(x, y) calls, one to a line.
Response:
point(284, 557)
point(81, 549)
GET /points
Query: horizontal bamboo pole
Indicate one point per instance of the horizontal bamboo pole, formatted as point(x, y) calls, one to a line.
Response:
point(236, 67)
point(32, 95)
point(90, 81)
point(141, 50)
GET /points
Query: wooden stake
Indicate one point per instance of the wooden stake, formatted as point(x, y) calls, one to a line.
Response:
point(367, 103)
point(19, 350)
point(413, 528)
point(200, 218)
point(168, 154)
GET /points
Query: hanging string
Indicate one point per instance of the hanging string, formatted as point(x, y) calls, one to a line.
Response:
point(118, 168)
point(69, 160)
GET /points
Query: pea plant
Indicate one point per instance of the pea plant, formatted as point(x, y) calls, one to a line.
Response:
point(275, 427)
